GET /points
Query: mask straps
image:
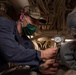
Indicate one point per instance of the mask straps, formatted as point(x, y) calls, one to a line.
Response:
point(22, 17)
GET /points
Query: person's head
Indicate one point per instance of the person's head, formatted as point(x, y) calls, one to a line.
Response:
point(71, 22)
point(27, 24)
point(30, 19)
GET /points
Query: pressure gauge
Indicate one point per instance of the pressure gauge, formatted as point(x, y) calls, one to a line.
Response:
point(58, 39)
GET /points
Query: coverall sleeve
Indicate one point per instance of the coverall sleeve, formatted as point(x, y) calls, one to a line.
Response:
point(14, 52)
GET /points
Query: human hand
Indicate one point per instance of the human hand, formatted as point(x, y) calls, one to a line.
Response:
point(49, 67)
point(48, 53)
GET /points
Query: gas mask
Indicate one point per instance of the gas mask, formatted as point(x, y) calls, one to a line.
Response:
point(29, 29)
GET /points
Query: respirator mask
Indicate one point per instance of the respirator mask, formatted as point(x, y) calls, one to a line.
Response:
point(29, 29)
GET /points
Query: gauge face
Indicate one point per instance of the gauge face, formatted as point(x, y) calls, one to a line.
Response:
point(57, 39)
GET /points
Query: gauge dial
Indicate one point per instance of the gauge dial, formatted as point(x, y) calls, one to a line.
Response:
point(57, 39)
